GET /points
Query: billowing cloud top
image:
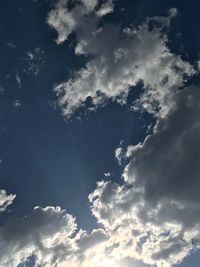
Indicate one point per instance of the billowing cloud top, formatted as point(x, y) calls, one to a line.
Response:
point(154, 215)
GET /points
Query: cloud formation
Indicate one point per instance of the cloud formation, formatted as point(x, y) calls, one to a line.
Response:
point(5, 200)
point(122, 57)
point(45, 233)
point(152, 215)
point(51, 236)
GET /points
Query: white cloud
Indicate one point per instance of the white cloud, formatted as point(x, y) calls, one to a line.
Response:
point(108, 174)
point(51, 236)
point(5, 199)
point(62, 21)
point(154, 215)
point(106, 8)
point(45, 233)
point(81, 17)
point(121, 59)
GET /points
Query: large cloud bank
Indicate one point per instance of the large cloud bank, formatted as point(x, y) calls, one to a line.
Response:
point(154, 215)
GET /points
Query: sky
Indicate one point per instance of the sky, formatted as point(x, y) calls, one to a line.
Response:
point(99, 133)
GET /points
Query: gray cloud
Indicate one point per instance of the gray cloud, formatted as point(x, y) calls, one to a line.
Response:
point(157, 206)
point(170, 156)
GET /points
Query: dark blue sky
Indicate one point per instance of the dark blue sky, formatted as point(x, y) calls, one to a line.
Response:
point(46, 154)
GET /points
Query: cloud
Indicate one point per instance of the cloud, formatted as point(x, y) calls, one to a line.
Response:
point(154, 214)
point(5, 199)
point(122, 57)
point(62, 21)
point(81, 16)
point(106, 8)
point(88, 241)
point(108, 174)
point(89, 4)
point(51, 236)
point(45, 233)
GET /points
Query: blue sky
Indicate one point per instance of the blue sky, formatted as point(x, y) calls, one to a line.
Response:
point(99, 126)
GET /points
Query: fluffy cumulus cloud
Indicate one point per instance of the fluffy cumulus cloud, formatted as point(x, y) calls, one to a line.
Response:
point(45, 234)
point(51, 237)
point(5, 200)
point(68, 17)
point(122, 57)
point(154, 215)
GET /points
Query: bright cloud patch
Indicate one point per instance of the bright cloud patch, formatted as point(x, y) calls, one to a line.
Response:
point(45, 234)
point(122, 58)
point(5, 200)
